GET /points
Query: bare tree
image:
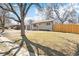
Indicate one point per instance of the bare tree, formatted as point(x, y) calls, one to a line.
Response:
point(20, 11)
point(3, 19)
point(58, 11)
point(22, 8)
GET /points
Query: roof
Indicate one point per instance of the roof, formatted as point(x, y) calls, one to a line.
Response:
point(41, 21)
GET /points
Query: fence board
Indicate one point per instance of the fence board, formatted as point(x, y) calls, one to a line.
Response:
point(70, 28)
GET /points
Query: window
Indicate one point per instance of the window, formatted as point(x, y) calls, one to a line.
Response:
point(48, 23)
point(34, 25)
point(39, 23)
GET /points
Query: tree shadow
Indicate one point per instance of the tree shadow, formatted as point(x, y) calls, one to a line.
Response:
point(77, 52)
point(77, 45)
point(10, 50)
point(33, 48)
point(48, 51)
point(28, 45)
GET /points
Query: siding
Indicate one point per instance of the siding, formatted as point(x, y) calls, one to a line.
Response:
point(42, 26)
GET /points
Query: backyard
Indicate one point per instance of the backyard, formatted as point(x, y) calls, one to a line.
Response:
point(66, 43)
point(34, 29)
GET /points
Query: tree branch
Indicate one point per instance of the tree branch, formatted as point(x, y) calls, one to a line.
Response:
point(57, 13)
point(8, 52)
point(12, 18)
point(10, 42)
point(14, 11)
point(28, 8)
point(5, 9)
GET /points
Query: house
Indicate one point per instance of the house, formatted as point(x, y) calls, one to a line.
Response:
point(45, 25)
point(16, 27)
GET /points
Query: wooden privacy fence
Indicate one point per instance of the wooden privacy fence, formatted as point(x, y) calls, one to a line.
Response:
point(69, 28)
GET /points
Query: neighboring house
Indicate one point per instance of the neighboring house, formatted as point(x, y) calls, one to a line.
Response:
point(28, 27)
point(45, 25)
point(16, 27)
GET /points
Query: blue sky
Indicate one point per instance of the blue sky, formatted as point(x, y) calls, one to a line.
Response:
point(32, 12)
point(33, 9)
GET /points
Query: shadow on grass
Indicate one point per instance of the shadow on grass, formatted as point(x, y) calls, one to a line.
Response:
point(33, 49)
point(48, 51)
point(77, 45)
point(77, 52)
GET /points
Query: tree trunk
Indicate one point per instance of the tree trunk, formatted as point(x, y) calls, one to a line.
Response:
point(22, 28)
point(3, 23)
point(3, 29)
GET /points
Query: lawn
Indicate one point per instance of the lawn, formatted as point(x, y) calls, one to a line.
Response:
point(63, 42)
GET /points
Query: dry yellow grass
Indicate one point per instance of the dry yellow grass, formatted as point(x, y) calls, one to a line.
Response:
point(55, 40)
point(63, 42)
